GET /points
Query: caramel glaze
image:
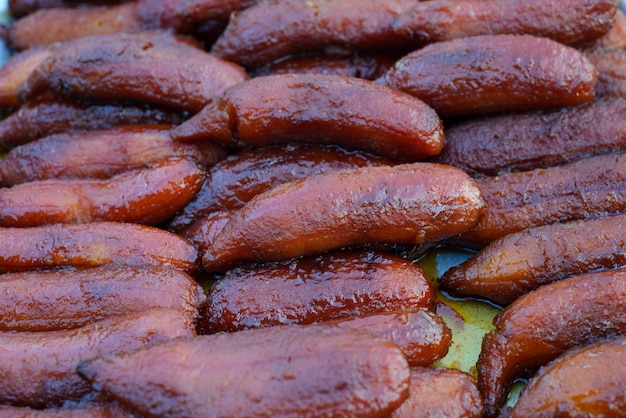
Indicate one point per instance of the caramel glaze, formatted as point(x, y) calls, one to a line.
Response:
point(407, 203)
point(278, 371)
point(317, 108)
point(583, 382)
point(520, 262)
point(570, 22)
point(270, 30)
point(609, 63)
point(154, 67)
point(146, 196)
point(202, 232)
point(310, 289)
point(72, 298)
point(99, 154)
point(422, 335)
point(494, 74)
point(536, 139)
point(93, 244)
point(49, 114)
point(583, 189)
point(439, 392)
point(232, 182)
point(17, 69)
point(47, 376)
point(543, 324)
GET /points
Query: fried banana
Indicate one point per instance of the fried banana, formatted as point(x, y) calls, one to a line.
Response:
point(543, 324)
point(279, 371)
point(323, 109)
point(583, 189)
point(495, 74)
point(570, 22)
point(232, 182)
point(71, 298)
point(312, 289)
point(527, 140)
point(153, 67)
point(439, 392)
point(46, 376)
point(273, 29)
point(93, 244)
point(408, 203)
point(588, 381)
point(146, 196)
point(521, 262)
point(99, 154)
point(422, 335)
point(49, 114)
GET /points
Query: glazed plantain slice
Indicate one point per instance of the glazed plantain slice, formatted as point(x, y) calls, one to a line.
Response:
point(288, 370)
point(543, 324)
point(523, 261)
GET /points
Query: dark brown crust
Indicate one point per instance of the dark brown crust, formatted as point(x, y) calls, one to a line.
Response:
point(422, 335)
point(277, 371)
point(408, 203)
point(439, 392)
point(99, 154)
point(94, 244)
point(518, 263)
point(312, 289)
point(587, 188)
point(543, 324)
point(495, 73)
point(570, 22)
point(66, 299)
point(50, 114)
point(273, 29)
point(146, 196)
point(232, 182)
point(524, 141)
point(582, 382)
point(321, 109)
point(47, 376)
point(154, 67)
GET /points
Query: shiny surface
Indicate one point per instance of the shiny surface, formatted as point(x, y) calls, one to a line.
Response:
point(145, 196)
point(584, 382)
point(273, 29)
point(591, 187)
point(323, 109)
point(154, 67)
point(538, 139)
point(521, 262)
point(543, 324)
point(494, 73)
point(94, 244)
point(409, 203)
point(232, 182)
point(443, 393)
point(54, 364)
point(66, 299)
point(570, 22)
point(285, 371)
point(311, 289)
point(49, 114)
point(99, 154)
